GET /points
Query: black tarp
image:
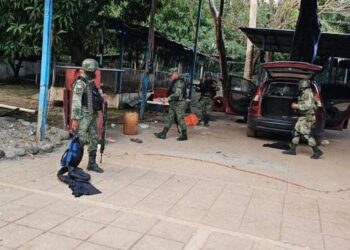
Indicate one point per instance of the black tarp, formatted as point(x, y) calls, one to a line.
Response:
point(307, 33)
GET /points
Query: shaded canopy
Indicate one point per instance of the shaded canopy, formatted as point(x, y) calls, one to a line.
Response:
point(274, 40)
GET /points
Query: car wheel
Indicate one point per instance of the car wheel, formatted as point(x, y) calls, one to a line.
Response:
point(251, 132)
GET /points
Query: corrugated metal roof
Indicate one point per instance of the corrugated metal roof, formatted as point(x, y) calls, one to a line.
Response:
point(330, 45)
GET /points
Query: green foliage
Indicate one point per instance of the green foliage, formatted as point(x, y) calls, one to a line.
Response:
point(77, 23)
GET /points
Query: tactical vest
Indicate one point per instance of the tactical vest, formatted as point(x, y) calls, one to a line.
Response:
point(97, 99)
point(171, 88)
point(207, 89)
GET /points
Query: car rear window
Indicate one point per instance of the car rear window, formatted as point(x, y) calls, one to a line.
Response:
point(282, 89)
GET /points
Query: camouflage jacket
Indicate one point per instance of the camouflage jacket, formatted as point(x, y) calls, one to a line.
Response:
point(307, 103)
point(177, 91)
point(80, 88)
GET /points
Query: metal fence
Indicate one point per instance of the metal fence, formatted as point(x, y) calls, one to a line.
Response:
point(116, 81)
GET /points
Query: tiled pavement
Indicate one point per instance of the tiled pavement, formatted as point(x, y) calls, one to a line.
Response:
point(152, 202)
point(144, 208)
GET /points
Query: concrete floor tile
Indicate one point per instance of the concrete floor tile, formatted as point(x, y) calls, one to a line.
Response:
point(43, 183)
point(300, 238)
point(78, 228)
point(270, 195)
point(115, 238)
point(134, 222)
point(227, 242)
point(301, 206)
point(151, 242)
point(238, 189)
point(13, 236)
point(231, 201)
point(90, 246)
point(202, 195)
point(187, 213)
point(265, 206)
point(334, 205)
point(335, 243)
point(3, 223)
point(262, 225)
point(128, 196)
point(302, 224)
point(223, 220)
point(12, 212)
point(99, 215)
point(335, 229)
point(67, 207)
point(42, 220)
point(173, 189)
point(339, 217)
point(172, 231)
point(11, 194)
point(263, 245)
point(51, 241)
point(36, 201)
point(155, 205)
point(152, 179)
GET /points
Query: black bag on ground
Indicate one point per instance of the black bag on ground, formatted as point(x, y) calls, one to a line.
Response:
point(76, 178)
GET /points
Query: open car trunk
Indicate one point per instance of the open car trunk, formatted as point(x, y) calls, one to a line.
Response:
point(277, 100)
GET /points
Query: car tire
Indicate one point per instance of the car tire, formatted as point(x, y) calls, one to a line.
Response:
point(251, 132)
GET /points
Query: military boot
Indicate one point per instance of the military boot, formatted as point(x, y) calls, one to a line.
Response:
point(316, 153)
point(206, 120)
point(183, 136)
point(162, 135)
point(92, 165)
point(291, 151)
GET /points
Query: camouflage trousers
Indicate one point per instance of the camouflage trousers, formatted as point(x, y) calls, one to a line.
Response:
point(303, 128)
point(88, 132)
point(205, 104)
point(176, 111)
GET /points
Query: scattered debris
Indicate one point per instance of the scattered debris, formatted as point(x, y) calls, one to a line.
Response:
point(143, 125)
point(113, 125)
point(137, 140)
point(325, 142)
point(18, 138)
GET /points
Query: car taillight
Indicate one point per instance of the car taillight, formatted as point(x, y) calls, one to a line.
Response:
point(255, 105)
point(318, 100)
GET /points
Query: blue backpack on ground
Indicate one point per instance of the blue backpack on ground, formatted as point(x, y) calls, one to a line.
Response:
point(73, 154)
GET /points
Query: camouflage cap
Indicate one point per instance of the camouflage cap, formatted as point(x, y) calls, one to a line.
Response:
point(173, 70)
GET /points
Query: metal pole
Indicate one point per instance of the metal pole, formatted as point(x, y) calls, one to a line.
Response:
point(149, 59)
point(45, 71)
point(193, 68)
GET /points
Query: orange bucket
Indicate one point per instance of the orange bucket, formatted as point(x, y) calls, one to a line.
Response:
point(191, 119)
point(131, 120)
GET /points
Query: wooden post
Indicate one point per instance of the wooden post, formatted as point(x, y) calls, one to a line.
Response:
point(250, 47)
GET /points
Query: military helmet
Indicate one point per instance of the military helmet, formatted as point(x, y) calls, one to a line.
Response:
point(208, 74)
point(304, 84)
point(89, 65)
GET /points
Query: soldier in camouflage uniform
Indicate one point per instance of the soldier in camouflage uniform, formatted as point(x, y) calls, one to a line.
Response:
point(177, 106)
point(208, 90)
point(306, 106)
point(86, 103)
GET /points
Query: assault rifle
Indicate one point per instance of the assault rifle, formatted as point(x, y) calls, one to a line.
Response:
point(104, 127)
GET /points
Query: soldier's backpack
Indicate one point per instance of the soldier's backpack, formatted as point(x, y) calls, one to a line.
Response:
point(73, 154)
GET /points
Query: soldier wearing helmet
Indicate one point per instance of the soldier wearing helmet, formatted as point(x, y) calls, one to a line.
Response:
point(177, 106)
point(306, 107)
point(208, 89)
point(87, 101)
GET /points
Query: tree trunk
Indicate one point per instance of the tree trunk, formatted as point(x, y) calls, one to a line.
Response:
point(217, 16)
point(250, 47)
point(16, 67)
